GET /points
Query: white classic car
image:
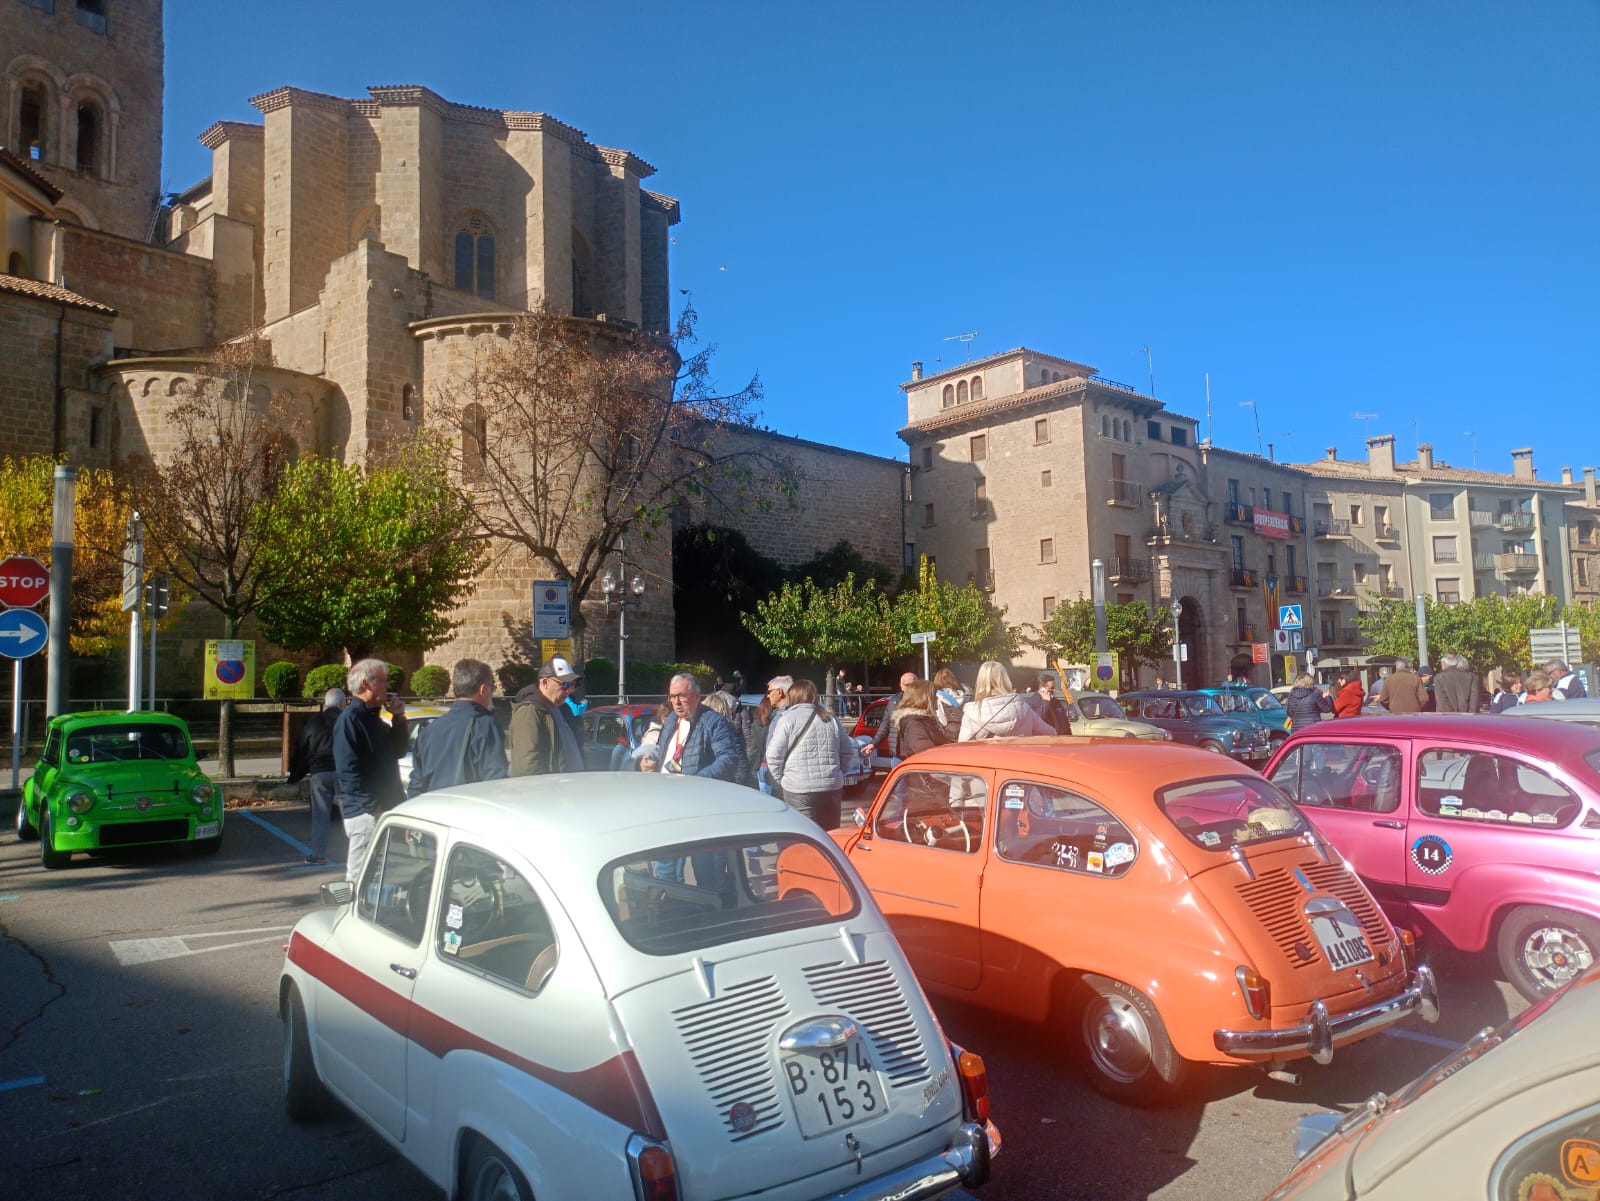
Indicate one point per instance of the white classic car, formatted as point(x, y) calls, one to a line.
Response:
point(652, 987)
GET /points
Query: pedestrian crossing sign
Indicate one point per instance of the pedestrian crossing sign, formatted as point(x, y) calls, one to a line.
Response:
point(1289, 617)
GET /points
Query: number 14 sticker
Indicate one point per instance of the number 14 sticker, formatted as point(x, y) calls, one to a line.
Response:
point(1431, 854)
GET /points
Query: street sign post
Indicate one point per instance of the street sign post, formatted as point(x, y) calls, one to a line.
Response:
point(925, 637)
point(23, 633)
point(23, 582)
point(551, 617)
point(230, 671)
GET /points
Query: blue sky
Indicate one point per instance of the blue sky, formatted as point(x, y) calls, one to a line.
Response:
point(1332, 206)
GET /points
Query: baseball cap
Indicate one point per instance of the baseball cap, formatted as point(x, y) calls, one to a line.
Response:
point(559, 669)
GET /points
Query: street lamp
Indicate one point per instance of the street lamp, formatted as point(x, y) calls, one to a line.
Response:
point(61, 544)
point(1176, 609)
point(616, 592)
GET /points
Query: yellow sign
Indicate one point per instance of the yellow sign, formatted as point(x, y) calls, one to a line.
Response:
point(230, 670)
point(549, 648)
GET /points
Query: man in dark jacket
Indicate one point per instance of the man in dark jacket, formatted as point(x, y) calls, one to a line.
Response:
point(1049, 703)
point(312, 761)
point(885, 741)
point(1403, 691)
point(465, 745)
point(696, 741)
point(542, 739)
point(1455, 688)
point(366, 753)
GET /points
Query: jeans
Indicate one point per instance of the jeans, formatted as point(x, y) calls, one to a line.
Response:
point(358, 830)
point(324, 788)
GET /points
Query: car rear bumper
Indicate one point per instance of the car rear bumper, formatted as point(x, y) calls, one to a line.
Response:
point(1319, 1033)
point(963, 1164)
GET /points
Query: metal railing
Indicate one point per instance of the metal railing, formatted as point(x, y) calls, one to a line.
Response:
point(1124, 492)
point(1341, 636)
point(1330, 527)
point(1335, 588)
point(1514, 521)
point(1244, 577)
point(1134, 571)
point(1234, 512)
point(1295, 585)
point(1516, 564)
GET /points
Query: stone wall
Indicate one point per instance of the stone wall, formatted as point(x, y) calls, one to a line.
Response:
point(164, 298)
point(28, 331)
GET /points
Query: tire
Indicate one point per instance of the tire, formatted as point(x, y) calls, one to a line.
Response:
point(1126, 1054)
point(51, 858)
point(1541, 949)
point(491, 1176)
point(25, 830)
point(304, 1097)
point(1215, 747)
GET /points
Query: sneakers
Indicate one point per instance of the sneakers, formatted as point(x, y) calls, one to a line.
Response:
point(316, 860)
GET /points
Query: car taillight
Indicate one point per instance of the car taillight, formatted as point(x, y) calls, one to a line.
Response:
point(655, 1173)
point(1408, 947)
point(974, 1085)
point(1257, 992)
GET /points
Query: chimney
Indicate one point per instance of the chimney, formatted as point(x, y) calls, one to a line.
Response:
point(1332, 453)
point(1588, 487)
point(1380, 455)
point(1566, 475)
point(1425, 456)
point(916, 369)
point(1522, 463)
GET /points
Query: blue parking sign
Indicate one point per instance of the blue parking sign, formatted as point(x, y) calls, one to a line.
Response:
point(1289, 617)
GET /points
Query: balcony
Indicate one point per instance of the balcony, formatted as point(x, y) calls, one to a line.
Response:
point(1340, 636)
point(1391, 592)
point(1247, 633)
point(1482, 561)
point(1127, 571)
point(1517, 564)
point(1236, 514)
point(1244, 577)
point(1294, 585)
point(1514, 522)
point(1330, 527)
point(1335, 589)
point(1579, 540)
point(983, 580)
point(1480, 519)
point(1124, 493)
point(1386, 533)
point(1297, 525)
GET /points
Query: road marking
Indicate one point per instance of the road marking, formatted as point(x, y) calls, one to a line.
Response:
point(12, 897)
point(272, 829)
point(1433, 1040)
point(20, 1082)
point(131, 951)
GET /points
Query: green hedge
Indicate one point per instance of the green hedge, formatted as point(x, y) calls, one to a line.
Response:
point(320, 679)
point(281, 680)
point(430, 680)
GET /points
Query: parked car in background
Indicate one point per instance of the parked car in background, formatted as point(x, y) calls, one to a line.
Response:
point(573, 988)
point(419, 715)
point(1153, 904)
point(1585, 712)
point(1481, 832)
point(113, 779)
point(1511, 1116)
point(1256, 704)
point(1098, 714)
point(611, 732)
point(1197, 718)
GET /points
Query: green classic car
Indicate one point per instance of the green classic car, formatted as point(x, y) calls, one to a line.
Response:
point(116, 780)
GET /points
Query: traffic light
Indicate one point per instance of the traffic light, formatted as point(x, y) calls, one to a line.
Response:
point(156, 596)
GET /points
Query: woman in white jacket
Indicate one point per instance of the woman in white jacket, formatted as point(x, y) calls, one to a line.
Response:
point(995, 711)
point(807, 748)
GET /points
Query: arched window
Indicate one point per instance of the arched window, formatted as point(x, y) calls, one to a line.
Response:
point(15, 265)
point(582, 276)
point(949, 395)
point(961, 392)
point(474, 257)
point(33, 110)
point(977, 387)
point(1105, 425)
point(89, 125)
point(474, 434)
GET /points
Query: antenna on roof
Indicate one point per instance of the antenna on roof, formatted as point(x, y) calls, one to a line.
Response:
point(1473, 435)
point(1367, 419)
point(1208, 408)
point(1150, 362)
point(1256, 413)
point(965, 339)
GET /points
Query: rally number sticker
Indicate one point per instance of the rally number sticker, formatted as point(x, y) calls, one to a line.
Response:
point(1431, 854)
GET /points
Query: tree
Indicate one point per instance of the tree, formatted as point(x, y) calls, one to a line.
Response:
point(828, 625)
point(1139, 636)
point(100, 521)
point(967, 625)
point(1488, 630)
point(831, 566)
point(717, 576)
point(199, 504)
point(380, 556)
point(574, 434)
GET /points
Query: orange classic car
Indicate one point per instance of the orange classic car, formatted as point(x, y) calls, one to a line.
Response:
point(1167, 907)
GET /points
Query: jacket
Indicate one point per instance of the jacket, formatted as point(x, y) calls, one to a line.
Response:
point(461, 747)
point(1457, 691)
point(1504, 700)
point(808, 758)
point(1570, 688)
point(887, 733)
point(366, 754)
point(1005, 715)
point(1403, 692)
point(542, 741)
point(713, 748)
point(313, 753)
point(1348, 702)
point(1306, 706)
point(919, 732)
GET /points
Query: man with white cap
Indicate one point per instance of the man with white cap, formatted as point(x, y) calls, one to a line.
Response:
point(542, 741)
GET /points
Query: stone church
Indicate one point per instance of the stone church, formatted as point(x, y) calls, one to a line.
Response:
point(375, 242)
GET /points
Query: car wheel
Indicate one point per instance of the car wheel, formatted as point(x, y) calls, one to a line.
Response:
point(1541, 949)
point(304, 1097)
point(1215, 747)
point(1126, 1052)
point(48, 855)
point(491, 1176)
point(25, 830)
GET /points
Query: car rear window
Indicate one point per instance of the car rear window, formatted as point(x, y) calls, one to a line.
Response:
point(1229, 811)
point(113, 744)
point(672, 899)
point(1100, 706)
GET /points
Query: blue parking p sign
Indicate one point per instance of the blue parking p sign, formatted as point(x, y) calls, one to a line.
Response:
point(1289, 617)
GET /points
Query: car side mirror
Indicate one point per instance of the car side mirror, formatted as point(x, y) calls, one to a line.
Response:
point(338, 892)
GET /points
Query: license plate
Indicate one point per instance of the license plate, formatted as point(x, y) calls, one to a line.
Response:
point(1341, 938)
point(209, 830)
point(834, 1089)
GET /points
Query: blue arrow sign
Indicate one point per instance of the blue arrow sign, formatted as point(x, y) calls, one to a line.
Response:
point(1289, 617)
point(22, 633)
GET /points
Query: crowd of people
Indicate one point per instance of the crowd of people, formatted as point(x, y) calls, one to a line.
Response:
point(1454, 688)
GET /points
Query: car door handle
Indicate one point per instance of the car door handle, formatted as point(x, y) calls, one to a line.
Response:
point(410, 973)
point(1391, 825)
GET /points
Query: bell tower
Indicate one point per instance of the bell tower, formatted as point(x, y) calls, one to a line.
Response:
point(81, 98)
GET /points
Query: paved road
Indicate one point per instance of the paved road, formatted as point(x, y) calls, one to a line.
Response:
point(139, 1053)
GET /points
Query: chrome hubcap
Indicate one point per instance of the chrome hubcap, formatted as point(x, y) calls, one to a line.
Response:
point(1554, 955)
point(1118, 1038)
point(494, 1183)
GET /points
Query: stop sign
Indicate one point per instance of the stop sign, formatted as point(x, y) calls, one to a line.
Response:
point(23, 582)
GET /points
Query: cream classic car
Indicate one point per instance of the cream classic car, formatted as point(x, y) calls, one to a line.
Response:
point(580, 987)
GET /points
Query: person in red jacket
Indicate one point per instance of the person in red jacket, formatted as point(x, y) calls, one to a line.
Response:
point(1348, 698)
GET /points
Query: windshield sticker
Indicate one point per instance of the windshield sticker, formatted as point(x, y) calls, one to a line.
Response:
point(1580, 1161)
point(1431, 854)
point(1119, 853)
point(1210, 837)
point(1494, 815)
point(452, 942)
point(1066, 854)
point(1099, 836)
point(1014, 802)
point(1015, 790)
point(455, 917)
point(1097, 861)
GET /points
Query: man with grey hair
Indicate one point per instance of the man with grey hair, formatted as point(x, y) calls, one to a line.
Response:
point(465, 745)
point(312, 762)
point(1566, 683)
point(366, 753)
point(1403, 691)
point(1455, 688)
point(696, 741)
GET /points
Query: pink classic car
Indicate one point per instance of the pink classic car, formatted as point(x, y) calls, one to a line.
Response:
point(1476, 831)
